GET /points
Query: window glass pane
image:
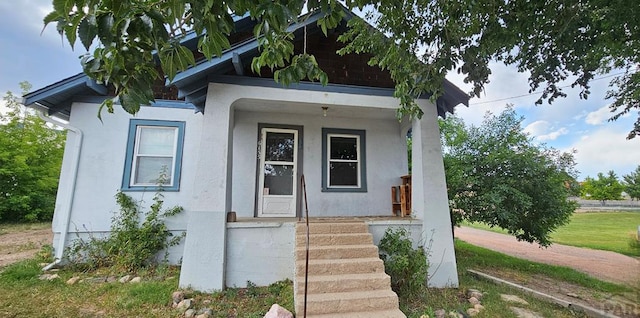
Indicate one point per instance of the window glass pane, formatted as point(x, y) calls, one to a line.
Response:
point(279, 147)
point(343, 174)
point(345, 148)
point(148, 170)
point(156, 141)
point(278, 179)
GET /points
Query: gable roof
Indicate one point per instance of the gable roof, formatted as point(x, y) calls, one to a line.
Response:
point(192, 84)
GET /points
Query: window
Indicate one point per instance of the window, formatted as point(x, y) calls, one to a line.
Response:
point(343, 160)
point(154, 155)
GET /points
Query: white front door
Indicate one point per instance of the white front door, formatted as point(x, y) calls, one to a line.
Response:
point(277, 172)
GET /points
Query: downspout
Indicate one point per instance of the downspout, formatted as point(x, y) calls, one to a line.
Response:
point(68, 200)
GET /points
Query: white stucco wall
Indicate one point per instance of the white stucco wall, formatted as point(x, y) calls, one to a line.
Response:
point(386, 161)
point(101, 167)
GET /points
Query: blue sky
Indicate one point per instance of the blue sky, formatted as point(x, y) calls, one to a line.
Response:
point(569, 123)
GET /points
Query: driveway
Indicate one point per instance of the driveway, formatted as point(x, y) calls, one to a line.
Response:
point(605, 265)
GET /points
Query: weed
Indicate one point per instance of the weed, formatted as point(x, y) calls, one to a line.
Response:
point(131, 245)
point(406, 266)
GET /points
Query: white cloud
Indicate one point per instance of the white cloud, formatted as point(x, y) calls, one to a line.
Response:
point(606, 149)
point(553, 135)
point(599, 116)
point(541, 131)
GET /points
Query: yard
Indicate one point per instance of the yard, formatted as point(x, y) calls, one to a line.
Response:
point(612, 231)
point(98, 295)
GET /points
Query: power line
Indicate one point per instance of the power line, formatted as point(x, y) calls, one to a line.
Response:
point(534, 93)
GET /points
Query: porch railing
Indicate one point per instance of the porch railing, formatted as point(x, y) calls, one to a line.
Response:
point(306, 261)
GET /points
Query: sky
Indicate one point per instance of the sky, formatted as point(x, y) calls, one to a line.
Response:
point(27, 53)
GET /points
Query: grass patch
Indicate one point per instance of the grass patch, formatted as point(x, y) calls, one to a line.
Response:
point(609, 231)
point(8, 228)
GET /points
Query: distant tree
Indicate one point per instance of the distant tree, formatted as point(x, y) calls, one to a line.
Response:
point(497, 175)
point(30, 160)
point(604, 188)
point(632, 183)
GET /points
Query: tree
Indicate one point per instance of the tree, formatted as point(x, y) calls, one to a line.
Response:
point(30, 160)
point(418, 42)
point(632, 183)
point(604, 188)
point(498, 176)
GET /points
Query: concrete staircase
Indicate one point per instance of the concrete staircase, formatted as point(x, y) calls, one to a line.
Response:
point(346, 276)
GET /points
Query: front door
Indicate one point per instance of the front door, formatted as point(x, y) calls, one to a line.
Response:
point(277, 172)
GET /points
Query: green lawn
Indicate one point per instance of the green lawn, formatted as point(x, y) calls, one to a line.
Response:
point(611, 231)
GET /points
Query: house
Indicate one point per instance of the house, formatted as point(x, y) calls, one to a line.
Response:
point(231, 140)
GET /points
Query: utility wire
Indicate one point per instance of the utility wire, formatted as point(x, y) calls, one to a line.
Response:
point(534, 93)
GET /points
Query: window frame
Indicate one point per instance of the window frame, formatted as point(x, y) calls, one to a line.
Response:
point(132, 155)
point(360, 136)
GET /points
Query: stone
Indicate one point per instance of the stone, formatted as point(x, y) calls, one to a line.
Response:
point(125, 279)
point(474, 293)
point(440, 313)
point(525, 313)
point(513, 299)
point(474, 301)
point(73, 280)
point(135, 280)
point(177, 297)
point(424, 316)
point(207, 311)
point(472, 312)
point(276, 311)
point(478, 307)
point(454, 314)
point(205, 315)
point(112, 279)
point(573, 295)
point(184, 304)
point(48, 276)
point(189, 313)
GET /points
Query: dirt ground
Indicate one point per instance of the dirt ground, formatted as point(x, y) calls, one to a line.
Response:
point(18, 245)
point(604, 265)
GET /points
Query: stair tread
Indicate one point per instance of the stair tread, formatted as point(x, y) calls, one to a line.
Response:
point(316, 278)
point(328, 247)
point(395, 313)
point(381, 293)
point(333, 261)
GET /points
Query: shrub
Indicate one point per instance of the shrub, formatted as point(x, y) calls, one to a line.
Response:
point(131, 245)
point(406, 266)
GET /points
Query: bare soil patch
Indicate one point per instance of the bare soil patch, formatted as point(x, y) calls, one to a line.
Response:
point(625, 305)
point(20, 243)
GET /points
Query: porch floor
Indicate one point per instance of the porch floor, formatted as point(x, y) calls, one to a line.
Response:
point(366, 219)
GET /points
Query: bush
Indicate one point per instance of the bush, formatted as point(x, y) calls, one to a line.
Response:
point(406, 266)
point(131, 245)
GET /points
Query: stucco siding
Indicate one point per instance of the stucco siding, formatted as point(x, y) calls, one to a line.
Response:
point(386, 161)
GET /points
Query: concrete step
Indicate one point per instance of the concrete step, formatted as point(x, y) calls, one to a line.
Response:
point(394, 313)
point(334, 239)
point(320, 284)
point(338, 252)
point(341, 266)
point(347, 302)
point(332, 228)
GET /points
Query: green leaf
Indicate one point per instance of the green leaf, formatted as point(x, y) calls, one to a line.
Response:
point(87, 31)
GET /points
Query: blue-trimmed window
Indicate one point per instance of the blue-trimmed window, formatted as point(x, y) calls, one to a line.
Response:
point(343, 160)
point(154, 155)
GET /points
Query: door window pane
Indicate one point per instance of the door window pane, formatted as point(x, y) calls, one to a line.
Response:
point(278, 179)
point(279, 147)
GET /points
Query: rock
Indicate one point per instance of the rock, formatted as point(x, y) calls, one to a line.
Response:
point(73, 280)
point(474, 293)
point(48, 276)
point(206, 311)
point(474, 301)
point(111, 279)
point(513, 299)
point(125, 279)
point(184, 304)
point(135, 280)
point(472, 312)
point(454, 314)
point(276, 311)
point(478, 307)
point(189, 313)
point(525, 313)
point(440, 313)
point(177, 297)
point(573, 295)
point(424, 316)
point(205, 315)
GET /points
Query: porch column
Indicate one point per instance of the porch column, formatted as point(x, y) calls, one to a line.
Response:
point(429, 198)
point(203, 261)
